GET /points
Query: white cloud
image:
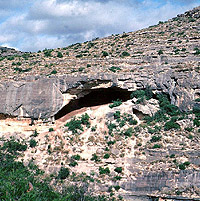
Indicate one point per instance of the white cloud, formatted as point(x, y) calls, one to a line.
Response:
point(57, 23)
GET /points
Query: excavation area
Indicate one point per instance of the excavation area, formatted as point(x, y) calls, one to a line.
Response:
point(95, 97)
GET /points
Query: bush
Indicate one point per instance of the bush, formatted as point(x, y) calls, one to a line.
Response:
point(111, 127)
point(12, 146)
point(59, 55)
point(125, 54)
point(74, 125)
point(105, 54)
point(76, 157)
point(63, 173)
point(73, 163)
point(114, 69)
point(128, 132)
point(160, 52)
point(106, 156)
point(116, 187)
point(132, 121)
point(183, 166)
point(104, 170)
point(95, 158)
point(142, 95)
point(156, 146)
point(196, 122)
point(32, 143)
point(85, 119)
point(115, 103)
point(155, 138)
point(118, 169)
point(53, 72)
point(51, 129)
point(171, 125)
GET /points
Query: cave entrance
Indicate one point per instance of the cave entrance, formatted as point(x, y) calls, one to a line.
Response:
point(95, 97)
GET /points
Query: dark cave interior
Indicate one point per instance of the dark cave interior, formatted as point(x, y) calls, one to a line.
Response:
point(94, 98)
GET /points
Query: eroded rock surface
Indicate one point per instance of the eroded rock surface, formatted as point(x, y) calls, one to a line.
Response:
point(44, 97)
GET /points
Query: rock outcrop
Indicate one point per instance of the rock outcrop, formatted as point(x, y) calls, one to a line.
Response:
point(44, 97)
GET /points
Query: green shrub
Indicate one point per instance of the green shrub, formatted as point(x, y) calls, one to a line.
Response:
point(142, 95)
point(35, 133)
point(76, 157)
point(184, 165)
point(115, 103)
point(73, 163)
point(47, 53)
point(95, 158)
point(93, 129)
point(197, 51)
point(104, 170)
point(32, 143)
point(155, 138)
point(156, 146)
point(111, 127)
point(85, 119)
point(118, 169)
point(125, 54)
point(117, 177)
point(196, 122)
point(59, 55)
point(114, 69)
point(63, 173)
point(14, 146)
point(10, 58)
point(128, 132)
point(81, 69)
point(111, 142)
point(189, 129)
point(105, 54)
point(51, 129)
point(106, 156)
point(160, 52)
point(53, 72)
point(172, 156)
point(74, 125)
point(132, 121)
point(171, 125)
point(116, 187)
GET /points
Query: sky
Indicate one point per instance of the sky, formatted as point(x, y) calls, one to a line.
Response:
point(32, 25)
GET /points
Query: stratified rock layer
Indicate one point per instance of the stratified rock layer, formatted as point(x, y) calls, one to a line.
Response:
point(44, 97)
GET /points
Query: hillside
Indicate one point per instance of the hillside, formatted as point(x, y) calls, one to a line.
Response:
point(171, 44)
point(120, 114)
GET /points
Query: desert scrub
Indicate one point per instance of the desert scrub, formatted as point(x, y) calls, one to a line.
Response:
point(14, 146)
point(32, 143)
point(155, 138)
point(114, 69)
point(63, 173)
point(142, 95)
point(51, 129)
point(115, 103)
point(76, 124)
point(106, 156)
point(104, 170)
point(171, 125)
point(95, 158)
point(76, 157)
point(118, 170)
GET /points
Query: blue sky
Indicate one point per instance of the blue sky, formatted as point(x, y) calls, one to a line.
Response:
point(32, 25)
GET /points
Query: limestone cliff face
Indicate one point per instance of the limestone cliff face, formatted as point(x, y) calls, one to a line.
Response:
point(44, 97)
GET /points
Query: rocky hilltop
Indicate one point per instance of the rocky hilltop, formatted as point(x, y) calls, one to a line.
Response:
point(144, 144)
